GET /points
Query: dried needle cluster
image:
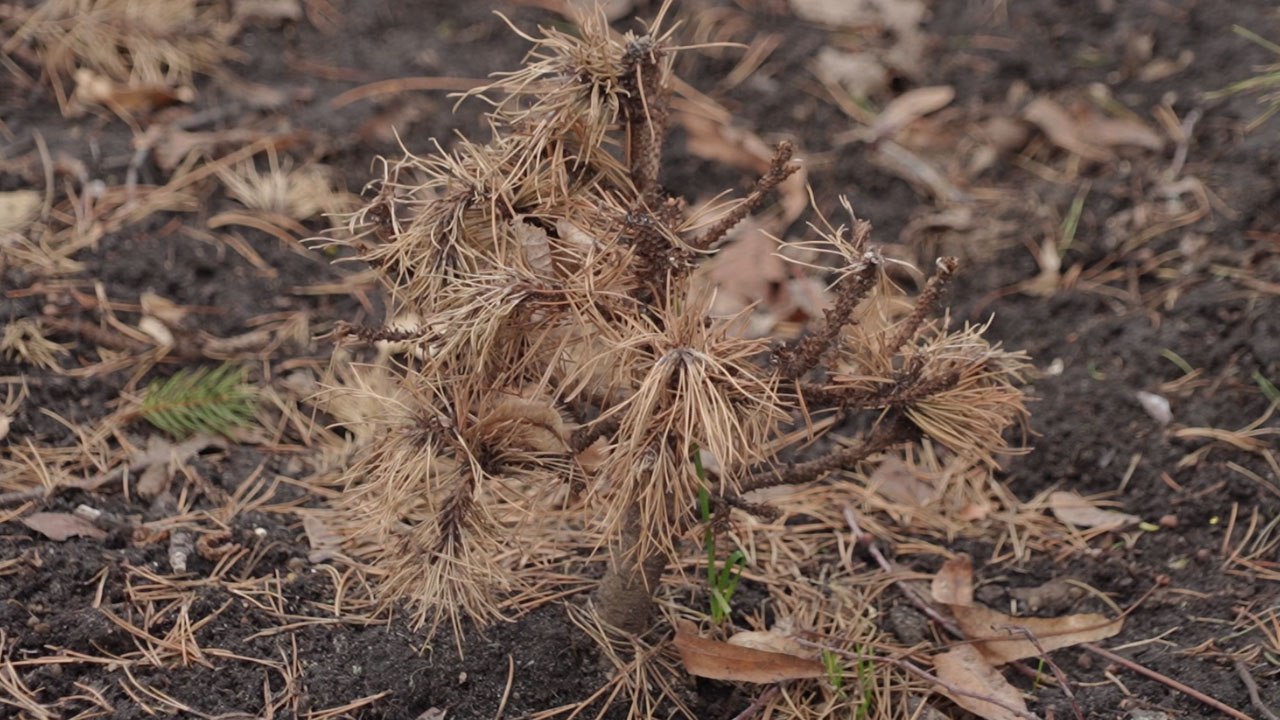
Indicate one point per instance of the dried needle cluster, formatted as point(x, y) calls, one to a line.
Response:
point(560, 353)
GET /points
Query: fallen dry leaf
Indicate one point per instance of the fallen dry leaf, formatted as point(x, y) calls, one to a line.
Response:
point(535, 244)
point(1088, 133)
point(267, 11)
point(964, 668)
point(18, 208)
point(859, 74)
point(769, 641)
point(720, 142)
point(893, 479)
point(723, 661)
point(59, 526)
point(613, 9)
point(1070, 507)
point(748, 269)
point(909, 107)
point(953, 585)
point(162, 308)
point(95, 89)
point(325, 543)
point(1056, 595)
point(896, 14)
point(156, 330)
point(154, 480)
point(1063, 130)
point(982, 625)
point(1121, 132)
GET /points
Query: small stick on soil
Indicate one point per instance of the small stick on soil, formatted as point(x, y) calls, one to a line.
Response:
point(506, 693)
point(1252, 686)
point(1053, 666)
point(860, 537)
point(1166, 680)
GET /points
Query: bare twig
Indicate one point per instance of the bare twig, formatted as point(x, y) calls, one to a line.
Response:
point(506, 692)
point(799, 357)
point(887, 435)
point(1063, 682)
point(647, 110)
point(1252, 686)
point(927, 303)
point(780, 168)
point(1165, 680)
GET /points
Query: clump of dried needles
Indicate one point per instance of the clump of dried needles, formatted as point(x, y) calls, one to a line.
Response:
point(562, 353)
point(159, 43)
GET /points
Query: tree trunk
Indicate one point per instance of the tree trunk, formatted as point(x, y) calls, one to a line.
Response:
point(625, 595)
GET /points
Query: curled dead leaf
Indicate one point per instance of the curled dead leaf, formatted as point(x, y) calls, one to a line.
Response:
point(58, 526)
point(156, 330)
point(326, 544)
point(725, 661)
point(162, 308)
point(772, 640)
point(748, 269)
point(953, 585)
point(535, 244)
point(1072, 508)
point(1003, 638)
point(893, 479)
point(1063, 130)
point(859, 74)
point(18, 208)
point(909, 107)
point(95, 89)
point(964, 668)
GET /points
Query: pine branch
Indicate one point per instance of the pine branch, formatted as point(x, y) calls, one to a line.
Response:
point(888, 434)
point(200, 401)
point(927, 303)
point(780, 168)
point(800, 356)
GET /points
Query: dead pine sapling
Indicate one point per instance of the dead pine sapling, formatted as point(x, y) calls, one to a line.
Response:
point(559, 360)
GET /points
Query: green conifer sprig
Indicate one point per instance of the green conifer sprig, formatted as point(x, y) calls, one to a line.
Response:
point(200, 401)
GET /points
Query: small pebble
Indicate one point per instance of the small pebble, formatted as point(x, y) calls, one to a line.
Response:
point(1169, 522)
point(1085, 661)
point(1204, 555)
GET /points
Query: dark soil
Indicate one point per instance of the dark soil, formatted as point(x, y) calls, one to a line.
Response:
point(1105, 345)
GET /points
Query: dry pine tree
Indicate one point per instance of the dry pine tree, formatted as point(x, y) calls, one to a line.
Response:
point(560, 353)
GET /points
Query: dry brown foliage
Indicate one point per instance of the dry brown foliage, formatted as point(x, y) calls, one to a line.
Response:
point(132, 47)
point(560, 364)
